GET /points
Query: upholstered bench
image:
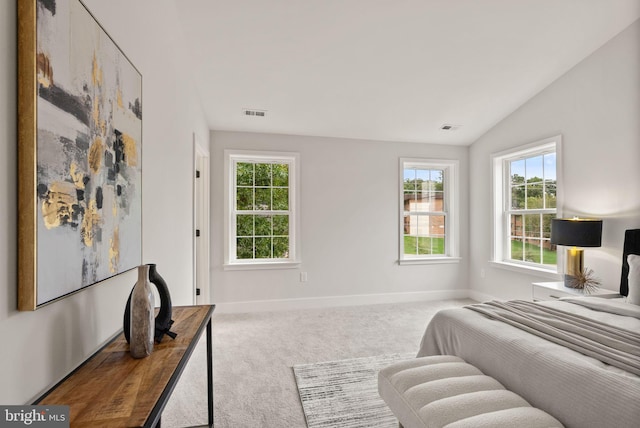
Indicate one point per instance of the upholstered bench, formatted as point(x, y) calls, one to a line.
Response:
point(445, 391)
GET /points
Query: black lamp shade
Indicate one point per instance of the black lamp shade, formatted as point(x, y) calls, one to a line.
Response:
point(576, 232)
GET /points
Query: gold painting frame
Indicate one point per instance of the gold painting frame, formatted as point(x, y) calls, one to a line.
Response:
point(26, 155)
point(80, 114)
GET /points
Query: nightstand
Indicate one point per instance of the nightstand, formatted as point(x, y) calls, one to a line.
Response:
point(556, 290)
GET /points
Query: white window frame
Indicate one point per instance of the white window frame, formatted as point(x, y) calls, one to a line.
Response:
point(501, 198)
point(293, 160)
point(451, 211)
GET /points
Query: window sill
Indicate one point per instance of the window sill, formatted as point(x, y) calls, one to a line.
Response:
point(429, 261)
point(261, 265)
point(531, 270)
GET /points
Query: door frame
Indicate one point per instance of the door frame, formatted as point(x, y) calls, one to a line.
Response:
point(201, 221)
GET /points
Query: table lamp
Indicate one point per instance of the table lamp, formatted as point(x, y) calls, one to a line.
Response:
point(574, 233)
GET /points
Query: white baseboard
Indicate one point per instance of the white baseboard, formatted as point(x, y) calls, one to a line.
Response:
point(335, 301)
point(481, 297)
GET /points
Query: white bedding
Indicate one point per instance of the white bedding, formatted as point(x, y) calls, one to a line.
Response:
point(580, 391)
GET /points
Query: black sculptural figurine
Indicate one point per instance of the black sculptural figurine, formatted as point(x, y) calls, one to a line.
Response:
point(163, 320)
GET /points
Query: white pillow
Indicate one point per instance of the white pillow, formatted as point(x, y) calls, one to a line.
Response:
point(634, 279)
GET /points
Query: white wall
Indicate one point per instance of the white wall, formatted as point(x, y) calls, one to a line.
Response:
point(349, 215)
point(40, 347)
point(596, 108)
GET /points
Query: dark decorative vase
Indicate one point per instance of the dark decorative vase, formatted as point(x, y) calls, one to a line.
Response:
point(163, 321)
point(141, 310)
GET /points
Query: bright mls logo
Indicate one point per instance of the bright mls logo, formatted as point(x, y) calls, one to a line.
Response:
point(34, 416)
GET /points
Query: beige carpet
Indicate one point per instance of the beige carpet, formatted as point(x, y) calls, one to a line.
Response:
point(254, 385)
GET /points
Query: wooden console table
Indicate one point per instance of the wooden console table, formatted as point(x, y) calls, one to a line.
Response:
point(112, 389)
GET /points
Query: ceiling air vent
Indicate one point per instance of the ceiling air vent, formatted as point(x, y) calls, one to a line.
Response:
point(254, 112)
point(450, 127)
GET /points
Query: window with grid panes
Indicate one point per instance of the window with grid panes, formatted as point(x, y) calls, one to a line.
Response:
point(262, 215)
point(528, 203)
point(426, 209)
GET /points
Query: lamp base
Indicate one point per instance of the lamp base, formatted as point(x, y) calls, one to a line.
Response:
point(574, 265)
point(575, 261)
point(570, 281)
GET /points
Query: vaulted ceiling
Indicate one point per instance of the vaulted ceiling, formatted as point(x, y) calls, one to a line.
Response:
point(393, 70)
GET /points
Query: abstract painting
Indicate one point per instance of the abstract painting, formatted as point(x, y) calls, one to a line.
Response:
point(80, 153)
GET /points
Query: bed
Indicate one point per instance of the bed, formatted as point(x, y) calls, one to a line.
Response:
point(579, 390)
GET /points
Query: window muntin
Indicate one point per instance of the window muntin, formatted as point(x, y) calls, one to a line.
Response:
point(427, 203)
point(262, 214)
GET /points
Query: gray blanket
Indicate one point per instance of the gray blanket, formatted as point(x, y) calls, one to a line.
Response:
point(615, 346)
point(579, 390)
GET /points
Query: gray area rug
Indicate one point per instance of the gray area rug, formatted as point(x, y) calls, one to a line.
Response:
point(344, 393)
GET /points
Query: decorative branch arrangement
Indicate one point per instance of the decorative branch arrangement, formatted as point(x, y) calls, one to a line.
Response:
point(585, 281)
